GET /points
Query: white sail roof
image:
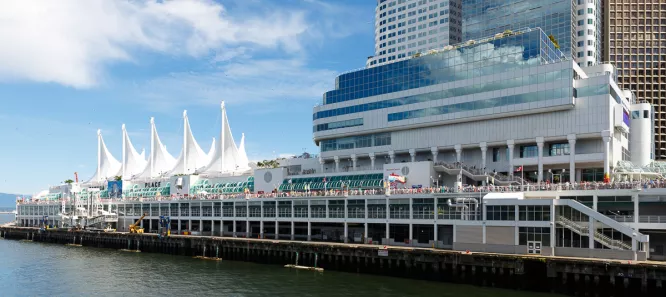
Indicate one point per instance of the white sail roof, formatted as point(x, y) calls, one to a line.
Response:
point(226, 158)
point(159, 161)
point(243, 162)
point(107, 166)
point(133, 163)
point(192, 157)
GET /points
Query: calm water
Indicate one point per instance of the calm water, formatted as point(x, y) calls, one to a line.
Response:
point(35, 269)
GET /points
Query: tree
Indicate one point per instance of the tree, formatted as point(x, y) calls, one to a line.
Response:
point(69, 181)
point(118, 178)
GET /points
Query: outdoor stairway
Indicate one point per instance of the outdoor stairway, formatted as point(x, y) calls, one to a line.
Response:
point(598, 236)
point(478, 174)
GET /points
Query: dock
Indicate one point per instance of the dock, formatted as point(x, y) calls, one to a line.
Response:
point(570, 276)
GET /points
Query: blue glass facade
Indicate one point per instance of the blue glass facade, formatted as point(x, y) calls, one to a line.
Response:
point(496, 56)
point(354, 142)
point(482, 104)
point(483, 18)
point(338, 125)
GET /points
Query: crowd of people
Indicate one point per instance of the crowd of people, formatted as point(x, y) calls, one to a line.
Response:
point(636, 185)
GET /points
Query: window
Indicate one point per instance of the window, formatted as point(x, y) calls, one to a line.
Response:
point(500, 213)
point(534, 213)
point(646, 114)
point(558, 149)
point(538, 234)
point(496, 154)
point(529, 151)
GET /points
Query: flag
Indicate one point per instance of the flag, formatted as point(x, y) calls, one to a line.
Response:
point(519, 169)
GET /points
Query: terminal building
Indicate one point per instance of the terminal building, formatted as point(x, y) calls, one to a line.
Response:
point(498, 144)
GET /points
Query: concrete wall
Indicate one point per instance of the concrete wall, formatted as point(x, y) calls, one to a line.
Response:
point(490, 248)
point(597, 253)
point(268, 179)
point(500, 235)
point(468, 234)
point(416, 173)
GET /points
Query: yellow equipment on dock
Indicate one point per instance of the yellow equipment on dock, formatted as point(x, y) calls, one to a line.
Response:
point(134, 228)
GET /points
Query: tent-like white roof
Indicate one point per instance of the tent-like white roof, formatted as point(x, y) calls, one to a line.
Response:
point(133, 163)
point(226, 158)
point(159, 161)
point(192, 157)
point(243, 162)
point(107, 166)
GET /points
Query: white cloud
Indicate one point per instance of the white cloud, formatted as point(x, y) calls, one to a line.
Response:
point(69, 42)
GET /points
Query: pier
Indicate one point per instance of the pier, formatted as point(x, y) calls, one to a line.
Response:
point(571, 276)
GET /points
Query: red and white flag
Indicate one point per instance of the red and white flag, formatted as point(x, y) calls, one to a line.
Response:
point(519, 169)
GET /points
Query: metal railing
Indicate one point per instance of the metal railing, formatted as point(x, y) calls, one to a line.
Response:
point(598, 236)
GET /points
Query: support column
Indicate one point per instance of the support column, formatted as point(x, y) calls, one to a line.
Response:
point(309, 231)
point(293, 230)
point(412, 154)
point(435, 151)
point(337, 163)
point(539, 141)
point(321, 164)
point(553, 230)
point(221, 228)
point(484, 150)
point(372, 161)
point(636, 206)
point(277, 227)
point(365, 232)
point(572, 157)
point(234, 228)
point(510, 145)
point(591, 232)
point(435, 237)
point(388, 234)
point(247, 229)
point(595, 200)
point(261, 229)
point(458, 149)
point(391, 154)
point(606, 136)
point(354, 159)
point(346, 232)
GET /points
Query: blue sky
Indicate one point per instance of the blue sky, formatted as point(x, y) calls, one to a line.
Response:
point(68, 68)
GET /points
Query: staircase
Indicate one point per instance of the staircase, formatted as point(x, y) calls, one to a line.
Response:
point(101, 220)
point(584, 230)
point(477, 174)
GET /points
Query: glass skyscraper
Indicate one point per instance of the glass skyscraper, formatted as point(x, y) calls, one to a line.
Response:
point(484, 18)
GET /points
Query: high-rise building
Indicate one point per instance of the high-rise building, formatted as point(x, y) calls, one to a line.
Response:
point(406, 27)
point(636, 44)
point(573, 24)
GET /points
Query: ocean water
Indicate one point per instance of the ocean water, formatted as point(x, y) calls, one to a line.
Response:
point(38, 269)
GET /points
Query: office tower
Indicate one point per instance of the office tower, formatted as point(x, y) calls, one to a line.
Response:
point(637, 47)
point(406, 27)
point(574, 25)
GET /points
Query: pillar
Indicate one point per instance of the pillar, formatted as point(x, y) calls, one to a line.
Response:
point(247, 229)
point(233, 230)
point(277, 226)
point(458, 148)
point(365, 232)
point(293, 230)
point(309, 231)
point(391, 154)
point(553, 231)
point(221, 227)
point(591, 232)
point(435, 237)
point(595, 200)
point(388, 233)
point(636, 214)
point(372, 161)
point(412, 154)
point(354, 159)
point(510, 145)
point(572, 157)
point(606, 136)
point(484, 150)
point(539, 141)
point(346, 232)
point(435, 151)
point(321, 164)
point(337, 163)
point(261, 229)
